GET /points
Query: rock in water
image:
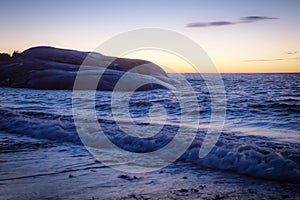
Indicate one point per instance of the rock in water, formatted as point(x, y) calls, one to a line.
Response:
point(52, 68)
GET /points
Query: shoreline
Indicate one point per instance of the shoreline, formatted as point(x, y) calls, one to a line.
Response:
point(70, 172)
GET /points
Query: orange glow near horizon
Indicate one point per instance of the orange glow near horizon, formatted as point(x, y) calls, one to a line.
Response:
point(174, 64)
point(276, 66)
point(224, 63)
point(169, 62)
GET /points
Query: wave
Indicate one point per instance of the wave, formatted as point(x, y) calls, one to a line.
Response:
point(39, 125)
point(272, 161)
point(249, 155)
point(276, 105)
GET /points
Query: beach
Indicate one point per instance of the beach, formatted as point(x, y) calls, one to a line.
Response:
point(35, 169)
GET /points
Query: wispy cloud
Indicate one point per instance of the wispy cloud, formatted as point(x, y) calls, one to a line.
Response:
point(248, 19)
point(256, 18)
point(263, 60)
point(272, 59)
point(292, 52)
point(217, 23)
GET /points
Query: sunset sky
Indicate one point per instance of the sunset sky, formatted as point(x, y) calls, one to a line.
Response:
point(239, 36)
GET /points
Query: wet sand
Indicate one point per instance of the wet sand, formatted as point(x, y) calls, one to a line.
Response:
point(37, 169)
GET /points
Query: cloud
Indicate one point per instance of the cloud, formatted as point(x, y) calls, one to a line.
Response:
point(248, 19)
point(272, 59)
point(217, 23)
point(292, 52)
point(277, 59)
point(263, 60)
point(256, 18)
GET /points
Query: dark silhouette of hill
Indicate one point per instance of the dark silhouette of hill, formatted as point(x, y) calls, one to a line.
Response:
point(45, 67)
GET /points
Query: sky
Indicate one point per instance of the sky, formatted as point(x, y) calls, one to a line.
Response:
point(239, 36)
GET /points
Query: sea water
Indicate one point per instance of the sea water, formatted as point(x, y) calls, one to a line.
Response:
point(260, 137)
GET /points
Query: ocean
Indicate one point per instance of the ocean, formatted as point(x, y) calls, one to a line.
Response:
point(260, 142)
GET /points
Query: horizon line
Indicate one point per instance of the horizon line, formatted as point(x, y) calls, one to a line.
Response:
point(239, 73)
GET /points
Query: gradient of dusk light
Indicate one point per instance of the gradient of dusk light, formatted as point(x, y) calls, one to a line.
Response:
point(239, 36)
